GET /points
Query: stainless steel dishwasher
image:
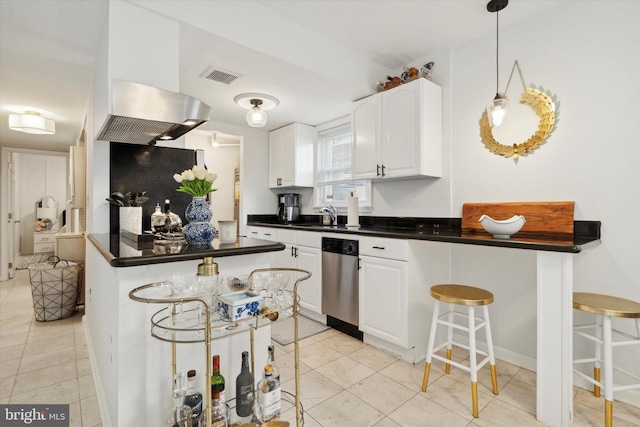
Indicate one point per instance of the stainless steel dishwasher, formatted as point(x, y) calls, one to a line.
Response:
point(340, 284)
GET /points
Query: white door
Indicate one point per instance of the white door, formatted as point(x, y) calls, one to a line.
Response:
point(366, 128)
point(310, 290)
point(401, 131)
point(13, 230)
point(383, 299)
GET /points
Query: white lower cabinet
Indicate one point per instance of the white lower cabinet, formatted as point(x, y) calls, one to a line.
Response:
point(383, 299)
point(262, 233)
point(395, 306)
point(303, 251)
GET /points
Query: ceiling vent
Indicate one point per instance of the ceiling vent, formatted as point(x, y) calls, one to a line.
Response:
point(220, 76)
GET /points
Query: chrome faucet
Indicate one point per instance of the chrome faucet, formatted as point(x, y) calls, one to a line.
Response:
point(333, 213)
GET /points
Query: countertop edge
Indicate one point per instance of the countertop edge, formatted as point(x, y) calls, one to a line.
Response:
point(165, 258)
point(579, 241)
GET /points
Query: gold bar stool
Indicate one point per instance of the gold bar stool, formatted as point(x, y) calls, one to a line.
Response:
point(470, 297)
point(605, 307)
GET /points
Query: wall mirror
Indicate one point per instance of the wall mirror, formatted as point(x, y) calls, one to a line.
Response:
point(527, 124)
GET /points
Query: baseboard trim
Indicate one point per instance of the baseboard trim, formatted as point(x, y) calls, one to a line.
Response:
point(97, 381)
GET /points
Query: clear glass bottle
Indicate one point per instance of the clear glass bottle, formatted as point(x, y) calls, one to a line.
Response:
point(193, 399)
point(245, 395)
point(219, 413)
point(180, 415)
point(269, 396)
point(271, 360)
point(155, 217)
point(167, 221)
point(217, 380)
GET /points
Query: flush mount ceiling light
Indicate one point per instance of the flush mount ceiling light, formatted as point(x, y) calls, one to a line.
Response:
point(32, 122)
point(257, 104)
point(497, 108)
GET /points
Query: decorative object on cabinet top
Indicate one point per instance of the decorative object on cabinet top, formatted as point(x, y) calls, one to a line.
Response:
point(409, 74)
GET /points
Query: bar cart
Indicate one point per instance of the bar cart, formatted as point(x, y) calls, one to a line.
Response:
point(199, 324)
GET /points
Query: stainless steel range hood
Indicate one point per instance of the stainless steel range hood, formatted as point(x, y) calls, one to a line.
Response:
point(142, 114)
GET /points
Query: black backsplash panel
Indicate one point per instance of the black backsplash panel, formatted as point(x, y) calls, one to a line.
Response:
point(148, 168)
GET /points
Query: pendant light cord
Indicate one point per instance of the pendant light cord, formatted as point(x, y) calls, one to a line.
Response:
point(497, 51)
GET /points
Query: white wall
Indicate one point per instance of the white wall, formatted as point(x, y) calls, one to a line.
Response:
point(586, 56)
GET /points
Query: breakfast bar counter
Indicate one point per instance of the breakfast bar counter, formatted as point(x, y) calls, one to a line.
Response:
point(554, 285)
point(127, 361)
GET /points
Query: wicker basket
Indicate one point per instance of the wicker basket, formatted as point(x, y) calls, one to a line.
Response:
point(54, 288)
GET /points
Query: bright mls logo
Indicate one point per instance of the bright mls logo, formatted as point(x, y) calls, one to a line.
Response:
point(35, 415)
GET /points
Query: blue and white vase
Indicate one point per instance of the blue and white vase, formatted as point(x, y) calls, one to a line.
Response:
point(199, 232)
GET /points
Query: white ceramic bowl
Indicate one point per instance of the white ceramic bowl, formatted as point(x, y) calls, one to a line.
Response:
point(502, 229)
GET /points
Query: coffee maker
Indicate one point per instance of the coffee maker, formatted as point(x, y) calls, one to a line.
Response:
point(288, 207)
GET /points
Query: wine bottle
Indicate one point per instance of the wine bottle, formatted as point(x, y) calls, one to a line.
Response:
point(193, 399)
point(271, 360)
point(217, 380)
point(245, 395)
point(269, 396)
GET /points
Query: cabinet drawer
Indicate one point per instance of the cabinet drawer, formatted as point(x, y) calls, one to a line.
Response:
point(384, 248)
point(287, 236)
point(312, 239)
point(44, 237)
point(40, 248)
point(262, 233)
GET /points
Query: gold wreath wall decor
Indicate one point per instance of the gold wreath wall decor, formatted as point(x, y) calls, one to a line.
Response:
point(541, 104)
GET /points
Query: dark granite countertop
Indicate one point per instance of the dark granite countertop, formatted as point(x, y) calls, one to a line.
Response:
point(445, 230)
point(122, 252)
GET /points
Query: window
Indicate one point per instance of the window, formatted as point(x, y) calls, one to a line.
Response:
point(333, 177)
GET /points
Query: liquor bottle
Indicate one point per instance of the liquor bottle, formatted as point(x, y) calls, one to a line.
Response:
point(271, 360)
point(193, 399)
point(245, 395)
point(219, 415)
point(269, 395)
point(180, 415)
point(217, 380)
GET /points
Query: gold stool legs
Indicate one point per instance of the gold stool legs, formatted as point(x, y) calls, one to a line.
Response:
point(474, 398)
point(608, 413)
point(447, 366)
point(494, 379)
point(425, 378)
point(596, 376)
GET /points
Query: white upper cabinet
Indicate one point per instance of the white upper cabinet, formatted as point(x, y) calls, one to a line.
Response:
point(291, 156)
point(398, 133)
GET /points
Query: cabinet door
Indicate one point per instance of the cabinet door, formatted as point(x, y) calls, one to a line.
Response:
point(401, 131)
point(383, 299)
point(310, 290)
point(287, 156)
point(275, 158)
point(366, 128)
point(285, 258)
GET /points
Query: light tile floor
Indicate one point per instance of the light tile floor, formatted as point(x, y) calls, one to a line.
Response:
point(344, 382)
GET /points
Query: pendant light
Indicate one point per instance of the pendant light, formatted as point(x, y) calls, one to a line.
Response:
point(497, 108)
point(257, 103)
point(32, 122)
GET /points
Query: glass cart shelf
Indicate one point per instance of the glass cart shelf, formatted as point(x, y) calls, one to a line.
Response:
point(190, 319)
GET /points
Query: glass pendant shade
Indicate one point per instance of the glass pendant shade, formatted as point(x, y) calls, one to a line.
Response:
point(32, 122)
point(497, 110)
point(256, 117)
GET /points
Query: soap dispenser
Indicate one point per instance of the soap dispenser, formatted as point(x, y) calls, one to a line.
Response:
point(155, 216)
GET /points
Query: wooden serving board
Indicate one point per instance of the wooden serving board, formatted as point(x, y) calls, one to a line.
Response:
point(541, 217)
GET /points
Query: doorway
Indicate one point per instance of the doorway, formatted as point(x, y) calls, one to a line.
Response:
point(30, 175)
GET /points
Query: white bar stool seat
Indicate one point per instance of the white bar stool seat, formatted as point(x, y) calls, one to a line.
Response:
point(470, 297)
point(605, 307)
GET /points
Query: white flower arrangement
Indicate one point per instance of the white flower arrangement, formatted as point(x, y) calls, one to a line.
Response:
point(196, 181)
